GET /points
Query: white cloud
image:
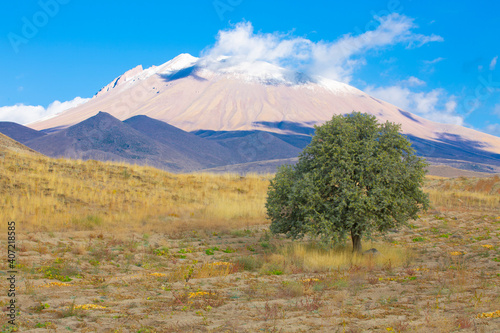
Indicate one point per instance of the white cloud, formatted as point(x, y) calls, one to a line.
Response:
point(435, 105)
point(339, 59)
point(25, 114)
point(413, 81)
point(336, 60)
point(496, 110)
point(493, 129)
point(493, 63)
point(433, 61)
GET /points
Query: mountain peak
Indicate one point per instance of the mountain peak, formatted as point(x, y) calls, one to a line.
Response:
point(184, 58)
point(100, 120)
point(238, 94)
point(121, 79)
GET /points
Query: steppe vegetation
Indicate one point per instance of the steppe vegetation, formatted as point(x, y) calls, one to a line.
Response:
point(114, 248)
point(46, 194)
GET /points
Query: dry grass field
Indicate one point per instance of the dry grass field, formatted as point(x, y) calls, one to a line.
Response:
point(105, 247)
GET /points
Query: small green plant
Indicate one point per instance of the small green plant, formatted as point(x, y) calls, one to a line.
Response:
point(94, 262)
point(211, 251)
point(43, 325)
point(275, 272)
point(54, 273)
point(162, 251)
point(8, 328)
point(229, 250)
point(190, 271)
point(418, 239)
point(40, 307)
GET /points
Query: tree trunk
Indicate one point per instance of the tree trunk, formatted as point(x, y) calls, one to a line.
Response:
point(356, 242)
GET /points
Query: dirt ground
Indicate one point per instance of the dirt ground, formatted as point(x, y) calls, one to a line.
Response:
point(107, 281)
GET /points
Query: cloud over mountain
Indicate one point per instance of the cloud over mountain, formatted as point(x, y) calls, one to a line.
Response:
point(435, 105)
point(25, 114)
point(331, 59)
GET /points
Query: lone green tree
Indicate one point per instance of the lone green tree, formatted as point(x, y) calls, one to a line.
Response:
point(356, 177)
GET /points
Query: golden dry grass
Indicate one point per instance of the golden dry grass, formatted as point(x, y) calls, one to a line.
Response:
point(471, 193)
point(441, 277)
point(315, 259)
point(41, 193)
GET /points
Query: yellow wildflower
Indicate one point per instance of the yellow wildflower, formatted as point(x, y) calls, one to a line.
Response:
point(488, 246)
point(89, 307)
point(52, 284)
point(199, 293)
point(423, 269)
point(456, 253)
point(494, 314)
point(221, 264)
point(310, 280)
point(157, 274)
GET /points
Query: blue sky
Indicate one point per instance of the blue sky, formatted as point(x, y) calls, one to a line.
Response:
point(431, 58)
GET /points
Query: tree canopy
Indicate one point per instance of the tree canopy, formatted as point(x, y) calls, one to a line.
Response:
point(355, 177)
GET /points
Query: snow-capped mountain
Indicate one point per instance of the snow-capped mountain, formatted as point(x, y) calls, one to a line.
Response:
point(224, 94)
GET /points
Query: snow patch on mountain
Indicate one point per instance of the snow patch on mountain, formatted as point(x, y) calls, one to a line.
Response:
point(260, 72)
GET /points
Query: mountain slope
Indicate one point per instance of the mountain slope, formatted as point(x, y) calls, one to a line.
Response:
point(104, 138)
point(8, 144)
point(205, 152)
point(200, 95)
point(259, 146)
point(18, 132)
point(296, 140)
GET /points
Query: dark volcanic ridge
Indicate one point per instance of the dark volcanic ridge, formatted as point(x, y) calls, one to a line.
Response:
point(146, 141)
point(18, 132)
